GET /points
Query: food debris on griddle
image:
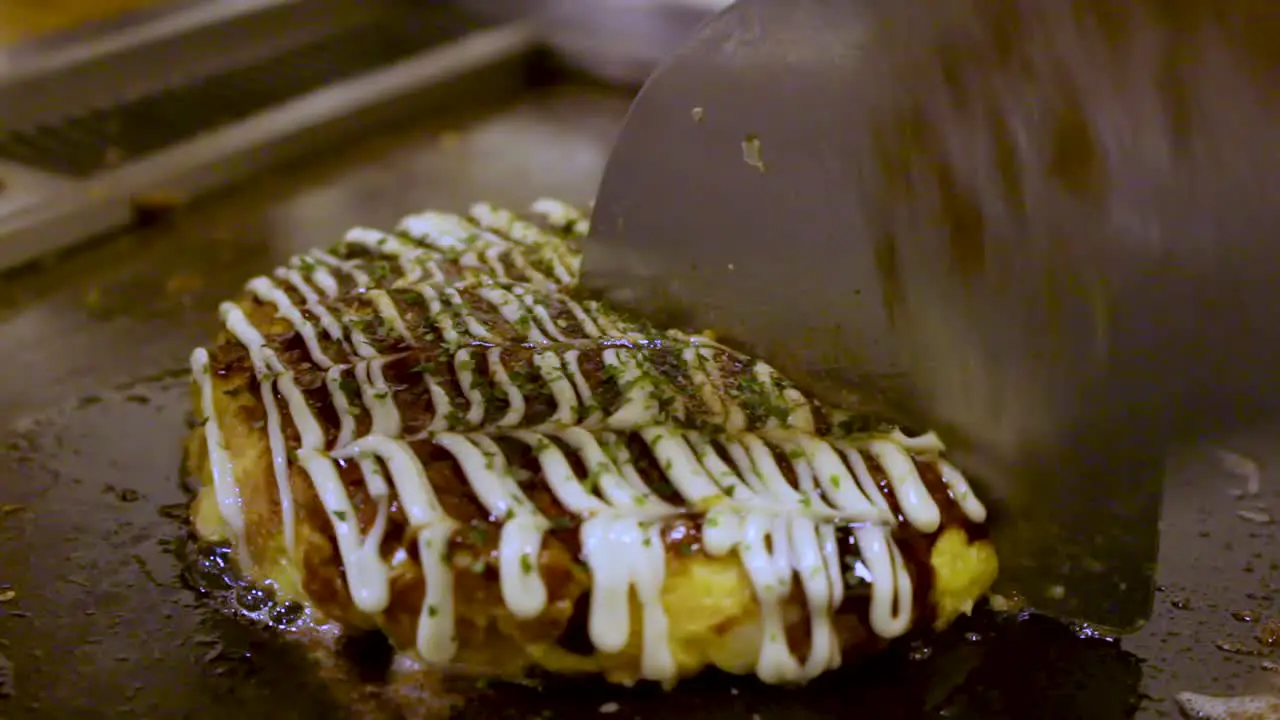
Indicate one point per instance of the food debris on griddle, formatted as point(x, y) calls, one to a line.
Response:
point(751, 152)
point(1245, 707)
point(1236, 648)
point(1260, 517)
point(1244, 468)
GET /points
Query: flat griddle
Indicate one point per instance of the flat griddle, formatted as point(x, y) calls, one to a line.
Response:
point(100, 615)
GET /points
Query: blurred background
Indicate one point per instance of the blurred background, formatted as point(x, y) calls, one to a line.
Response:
point(28, 19)
point(112, 108)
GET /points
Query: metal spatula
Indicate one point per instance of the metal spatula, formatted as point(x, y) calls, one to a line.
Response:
point(727, 205)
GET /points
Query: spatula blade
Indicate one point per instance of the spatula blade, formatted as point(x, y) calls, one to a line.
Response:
point(726, 206)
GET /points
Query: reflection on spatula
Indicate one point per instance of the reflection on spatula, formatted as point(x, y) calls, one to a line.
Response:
point(727, 205)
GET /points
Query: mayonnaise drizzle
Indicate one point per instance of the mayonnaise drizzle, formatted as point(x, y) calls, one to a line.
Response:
point(269, 292)
point(225, 489)
point(390, 314)
point(781, 533)
point(331, 326)
point(266, 367)
point(367, 575)
point(405, 252)
point(329, 283)
point(526, 233)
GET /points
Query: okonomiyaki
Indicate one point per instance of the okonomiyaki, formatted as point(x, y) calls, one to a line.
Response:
point(428, 432)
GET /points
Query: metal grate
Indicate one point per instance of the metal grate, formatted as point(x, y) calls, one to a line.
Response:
point(85, 144)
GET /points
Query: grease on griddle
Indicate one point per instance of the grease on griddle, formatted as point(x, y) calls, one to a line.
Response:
point(1085, 631)
point(208, 570)
point(989, 668)
point(251, 599)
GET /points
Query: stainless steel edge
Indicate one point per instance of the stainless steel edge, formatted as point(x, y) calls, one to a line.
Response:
point(21, 186)
point(170, 52)
point(490, 62)
point(136, 29)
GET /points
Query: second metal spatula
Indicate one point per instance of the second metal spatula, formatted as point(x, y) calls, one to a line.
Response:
point(726, 205)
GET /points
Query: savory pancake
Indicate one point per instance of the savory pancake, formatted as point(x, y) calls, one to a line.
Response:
point(428, 432)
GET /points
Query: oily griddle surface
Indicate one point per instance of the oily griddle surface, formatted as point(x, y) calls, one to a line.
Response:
point(101, 613)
